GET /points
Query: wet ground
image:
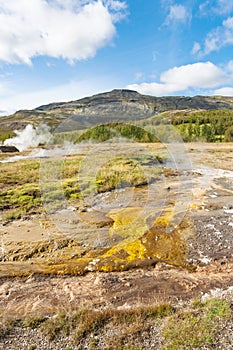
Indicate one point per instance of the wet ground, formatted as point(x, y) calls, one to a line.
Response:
point(196, 202)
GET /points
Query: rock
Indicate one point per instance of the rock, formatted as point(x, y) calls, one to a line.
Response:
point(116, 105)
point(8, 149)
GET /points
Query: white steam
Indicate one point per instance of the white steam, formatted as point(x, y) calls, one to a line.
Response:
point(30, 137)
point(57, 152)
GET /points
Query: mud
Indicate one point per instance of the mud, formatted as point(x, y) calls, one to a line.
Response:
point(47, 259)
point(38, 294)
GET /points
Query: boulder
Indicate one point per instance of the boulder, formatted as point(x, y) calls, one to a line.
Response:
point(8, 149)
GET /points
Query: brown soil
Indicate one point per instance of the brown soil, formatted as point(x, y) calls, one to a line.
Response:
point(38, 294)
point(48, 286)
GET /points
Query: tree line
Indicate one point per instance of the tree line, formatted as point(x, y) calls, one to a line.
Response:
point(206, 126)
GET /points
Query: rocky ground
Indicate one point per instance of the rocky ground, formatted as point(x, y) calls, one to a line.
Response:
point(207, 270)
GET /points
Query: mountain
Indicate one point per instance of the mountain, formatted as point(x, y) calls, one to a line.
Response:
point(116, 105)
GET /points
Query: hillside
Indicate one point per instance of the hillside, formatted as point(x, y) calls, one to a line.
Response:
point(119, 245)
point(116, 105)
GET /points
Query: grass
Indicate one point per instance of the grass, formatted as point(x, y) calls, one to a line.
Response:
point(32, 347)
point(20, 200)
point(196, 327)
point(119, 173)
point(188, 330)
point(15, 214)
point(33, 321)
point(6, 134)
point(81, 324)
point(187, 327)
point(21, 197)
point(22, 183)
point(21, 190)
point(7, 326)
point(61, 324)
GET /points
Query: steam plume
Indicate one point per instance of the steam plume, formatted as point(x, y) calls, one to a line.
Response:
point(30, 137)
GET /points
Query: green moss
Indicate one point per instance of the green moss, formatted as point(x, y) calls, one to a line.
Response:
point(32, 347)
point(71, 189)
point(6, 134)
point(188, 330)
point(119, 173)
point(197, 328)
point(13, 215)
point(218, 308)
point(21, 199)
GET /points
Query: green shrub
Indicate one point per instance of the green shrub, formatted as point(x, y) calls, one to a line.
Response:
point(119, 173)
point(33, 321)
point(32, 347)
point(229, 134)
point(57, 325)
point(104, 132)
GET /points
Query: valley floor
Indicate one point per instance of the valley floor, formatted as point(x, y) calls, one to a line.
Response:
point(39, 276)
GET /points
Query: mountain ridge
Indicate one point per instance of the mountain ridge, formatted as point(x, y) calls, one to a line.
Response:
point(116, 105)
point(199, 101)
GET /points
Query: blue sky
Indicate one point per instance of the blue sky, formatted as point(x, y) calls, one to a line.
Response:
point(61, 50)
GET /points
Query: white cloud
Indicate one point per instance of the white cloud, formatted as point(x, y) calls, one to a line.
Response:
point(73, 90)
point(116, 5)
point(204, 74)
point(199, 75)
point(157, 89)
point(230, 66)
point(177, 13)
point(5, 85)
point(203, 7)
point(228, 23)
point(196, 48)
point(225, 91)
point(2, 88)
point(223, 7)
point(118, 9)
point(70, 29)
point(217, 38)
point(220, 7)
point(138, 76)
point(221, 36)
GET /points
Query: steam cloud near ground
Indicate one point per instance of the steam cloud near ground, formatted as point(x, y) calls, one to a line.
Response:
point(30, 137)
